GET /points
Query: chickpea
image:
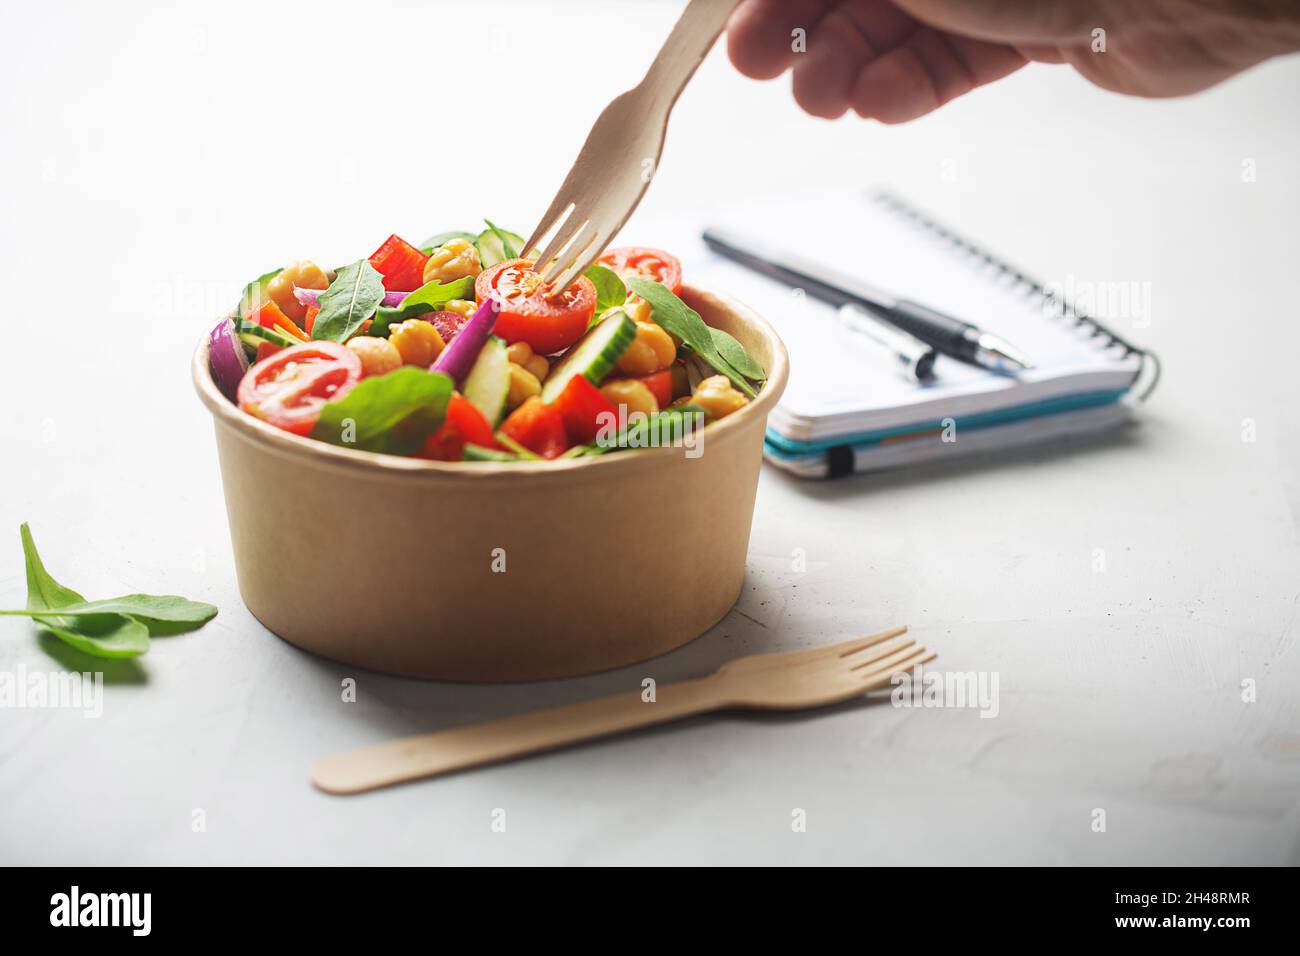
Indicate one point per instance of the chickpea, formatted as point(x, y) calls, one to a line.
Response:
point(465, 307)
point(523, 386)
point(457, 259)
point(539, 367)
point(649, 352)
point(304, 275)
point(378, 356)
point(631, 394)
point(417, 341)
point(639, 309)
point(519, 353)
point(716, 396)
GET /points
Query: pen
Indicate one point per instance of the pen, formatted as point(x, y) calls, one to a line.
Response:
point(911, 357)
point(951, 336)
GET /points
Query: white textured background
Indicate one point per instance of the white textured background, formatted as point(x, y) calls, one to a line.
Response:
point(153, 158)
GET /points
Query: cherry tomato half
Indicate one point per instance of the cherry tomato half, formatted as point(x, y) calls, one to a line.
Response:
point(642, 262)
point(289, 388)
point(548, 323)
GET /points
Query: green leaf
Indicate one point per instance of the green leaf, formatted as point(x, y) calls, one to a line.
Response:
point(161, 608)
point(350, 299)
point(610, 290)
point(254, 294)
point(735, 355)
point(430, 297)
point(391, 413)
point(101, 634)
point(433, 242)
point(684, 322)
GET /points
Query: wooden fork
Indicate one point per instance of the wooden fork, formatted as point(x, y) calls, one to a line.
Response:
point(622, 151)
point(792, 680)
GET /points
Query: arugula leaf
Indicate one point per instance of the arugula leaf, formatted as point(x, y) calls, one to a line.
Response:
point(736, 356)
point(350, 299)
point(156, 608)
point(430, 297)
point(102, 635)
point(391, 413)
point(610, 290)
point(684, 322)
point(254, 295)
point(433, 242)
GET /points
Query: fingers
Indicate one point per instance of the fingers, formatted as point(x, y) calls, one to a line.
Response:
point(926, 71)
point(848, 36)
point(760, 38)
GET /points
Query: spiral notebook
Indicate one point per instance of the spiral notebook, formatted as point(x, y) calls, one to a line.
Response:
point(845, 410)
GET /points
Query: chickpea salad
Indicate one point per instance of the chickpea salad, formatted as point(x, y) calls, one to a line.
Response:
point(454, 350)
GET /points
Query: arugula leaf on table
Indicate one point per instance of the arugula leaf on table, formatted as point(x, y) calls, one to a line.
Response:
point(430, 297)
point(433, 242)
point(610, 290)
point(391, 413)
point(351, 298)
point(684, 322)
point(114, 627)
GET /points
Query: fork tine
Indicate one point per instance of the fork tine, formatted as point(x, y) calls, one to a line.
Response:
point(845, 648)
point(572, 253)
point(559, 208)
point(911, 659)
point(564, 235)
point(583, 258)
point(878, 654)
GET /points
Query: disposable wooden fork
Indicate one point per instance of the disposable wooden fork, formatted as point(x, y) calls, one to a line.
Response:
point(793, 680)
point(622, 151)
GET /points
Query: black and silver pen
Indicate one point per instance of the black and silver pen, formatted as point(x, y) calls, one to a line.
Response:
point(949, 335)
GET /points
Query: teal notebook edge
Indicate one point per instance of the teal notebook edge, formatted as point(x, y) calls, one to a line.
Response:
point(778, 446)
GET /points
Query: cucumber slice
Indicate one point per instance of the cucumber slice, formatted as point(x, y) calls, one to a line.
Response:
point(250, 330)
point(479, 453)
point(254, 295)
point(491, 250)
point(488, 381)
point(593, 355)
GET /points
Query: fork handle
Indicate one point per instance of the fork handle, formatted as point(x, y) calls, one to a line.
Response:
point(429, 755)
point(686, 47)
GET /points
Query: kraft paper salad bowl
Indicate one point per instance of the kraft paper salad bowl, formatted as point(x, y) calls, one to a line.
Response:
point(483, 571)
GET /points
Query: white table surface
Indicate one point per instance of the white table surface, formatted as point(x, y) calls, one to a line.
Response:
point(155, 158)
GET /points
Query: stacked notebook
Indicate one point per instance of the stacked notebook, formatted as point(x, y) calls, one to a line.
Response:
point(846, 409)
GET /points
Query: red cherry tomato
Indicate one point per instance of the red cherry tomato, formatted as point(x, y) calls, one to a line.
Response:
point(464, 424)
point(642, 262)
point(661, 386)
point(289, 388)
point(400, 263)
point(538, 427)
point(547, 323)
point(581, 405)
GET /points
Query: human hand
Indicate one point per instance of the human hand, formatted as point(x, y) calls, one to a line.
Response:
point(895, 60)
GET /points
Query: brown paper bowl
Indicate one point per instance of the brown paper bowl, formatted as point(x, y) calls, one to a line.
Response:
point(388, 563)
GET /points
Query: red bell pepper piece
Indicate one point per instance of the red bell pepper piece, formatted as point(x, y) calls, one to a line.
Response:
point(538, 427)
point(309, 321)
point(266, 350)
point(400, 263)
point(661, 386)
point(269, 316)
point(464, 424)
point(584, 410)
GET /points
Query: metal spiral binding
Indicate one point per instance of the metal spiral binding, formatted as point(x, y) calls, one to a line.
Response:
point(1150, 367)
